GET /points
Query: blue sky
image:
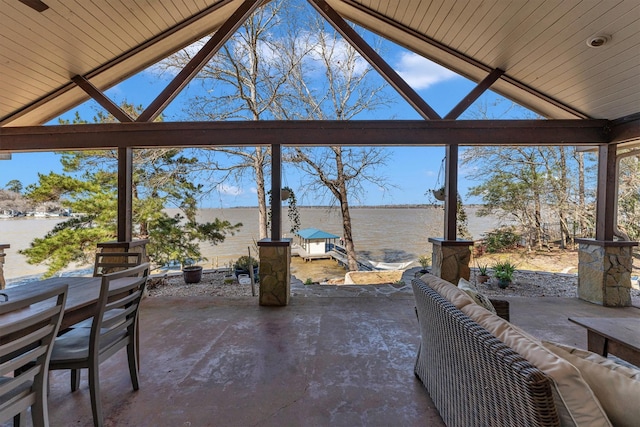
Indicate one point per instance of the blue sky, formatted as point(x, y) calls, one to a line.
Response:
point(411, 171)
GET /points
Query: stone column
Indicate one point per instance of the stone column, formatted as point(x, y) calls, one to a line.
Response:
point(451, 258)
point(275, 272)
point(604, 271)
point(3, 246)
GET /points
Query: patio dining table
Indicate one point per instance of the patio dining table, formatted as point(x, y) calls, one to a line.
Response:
point(82, 297)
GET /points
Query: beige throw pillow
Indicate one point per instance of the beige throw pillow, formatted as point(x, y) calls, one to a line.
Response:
point(616, 387)
point(472, 291)
point(447, 290)
point(576, 402)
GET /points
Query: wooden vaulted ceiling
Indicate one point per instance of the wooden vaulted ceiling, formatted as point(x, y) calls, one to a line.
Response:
point(541, 45)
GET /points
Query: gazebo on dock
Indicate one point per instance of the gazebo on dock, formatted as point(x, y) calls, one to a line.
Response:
point(316, 243)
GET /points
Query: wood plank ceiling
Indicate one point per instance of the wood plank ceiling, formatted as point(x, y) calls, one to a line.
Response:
point(540, 44)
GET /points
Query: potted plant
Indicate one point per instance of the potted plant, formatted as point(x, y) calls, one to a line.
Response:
point(192, 273)
point(503, 271)
point(483, 273)
point(244, 263)
point(425, 262)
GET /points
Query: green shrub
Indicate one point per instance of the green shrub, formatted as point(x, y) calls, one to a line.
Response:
point(501, 239)
point(309, 281)
point(244, 262)
point(425, 261)
point(504, 270)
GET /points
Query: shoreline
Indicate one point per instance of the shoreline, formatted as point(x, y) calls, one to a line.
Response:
point(528, 284)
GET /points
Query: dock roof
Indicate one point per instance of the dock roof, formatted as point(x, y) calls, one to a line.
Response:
point(314, 233)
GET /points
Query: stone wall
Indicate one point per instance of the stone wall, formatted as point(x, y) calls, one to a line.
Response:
point(275, 272)
point(450, 259)
point(604, 272)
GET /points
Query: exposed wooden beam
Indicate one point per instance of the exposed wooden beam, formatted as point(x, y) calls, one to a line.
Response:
point(376, 61)
point(306, 133)
point(626, 129)
point(126, 56)
point(451, 192)
point(125, 194)
point(474, 94)
point(36, 5)
point(385, 20)
point(276, 185)
point(102, 99)
point(606, 192)
point(196, 64)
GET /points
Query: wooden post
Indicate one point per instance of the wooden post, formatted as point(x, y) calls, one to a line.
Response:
point(451, 192)
point(253, 279)
point(125, 194)
point(276, 183)
point(606, 192)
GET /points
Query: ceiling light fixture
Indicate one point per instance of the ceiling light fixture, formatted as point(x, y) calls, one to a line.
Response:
point(35, 5)
point(598, 40)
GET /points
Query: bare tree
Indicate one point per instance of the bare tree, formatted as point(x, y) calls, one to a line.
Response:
point(347, 91)
point(246, 80)
point(628, 225)
point(273, 70)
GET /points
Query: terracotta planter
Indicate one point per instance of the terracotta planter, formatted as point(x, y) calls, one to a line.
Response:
point(481, 278)
point(192, 274)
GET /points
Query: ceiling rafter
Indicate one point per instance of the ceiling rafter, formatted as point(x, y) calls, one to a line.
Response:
point(199, 60)
point(376, 61)
point(125, 56)
point(460, 56)
point(102, 99)
point(475, 93)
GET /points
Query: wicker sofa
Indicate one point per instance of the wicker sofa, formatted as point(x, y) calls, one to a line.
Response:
point(475, 379)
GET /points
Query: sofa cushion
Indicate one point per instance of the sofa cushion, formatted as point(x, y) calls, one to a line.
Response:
point(478, 298)
point(448, 291)
point(617, 387)
point(577, 404)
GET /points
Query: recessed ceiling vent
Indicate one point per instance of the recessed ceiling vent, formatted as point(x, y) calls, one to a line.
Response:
point(598, 40)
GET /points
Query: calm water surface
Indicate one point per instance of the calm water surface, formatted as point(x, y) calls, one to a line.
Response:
point(391, 234)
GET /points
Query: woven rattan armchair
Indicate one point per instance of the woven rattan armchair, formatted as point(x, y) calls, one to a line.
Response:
point(473, 378)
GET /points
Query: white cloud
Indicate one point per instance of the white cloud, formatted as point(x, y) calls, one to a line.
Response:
point(337, 50)
point(229, 190)
point(421, 73)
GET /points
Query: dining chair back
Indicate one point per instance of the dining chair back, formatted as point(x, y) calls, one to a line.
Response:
point(26, 341)
point(110, 262)
point(114, 326)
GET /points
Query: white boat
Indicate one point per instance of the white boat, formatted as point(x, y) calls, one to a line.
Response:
point(390, 265)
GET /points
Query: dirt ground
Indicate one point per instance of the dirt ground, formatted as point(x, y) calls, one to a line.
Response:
point(552, 261)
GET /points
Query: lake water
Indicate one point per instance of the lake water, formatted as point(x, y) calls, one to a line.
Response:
point(385, 234)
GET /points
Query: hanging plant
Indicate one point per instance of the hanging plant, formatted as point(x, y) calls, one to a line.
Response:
point(439, 194)
point(286, 193)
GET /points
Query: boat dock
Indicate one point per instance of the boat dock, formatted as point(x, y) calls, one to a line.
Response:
point(317, 244)
point(335, 252)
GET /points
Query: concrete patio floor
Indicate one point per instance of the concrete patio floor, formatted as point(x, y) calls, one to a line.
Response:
point(336, 356)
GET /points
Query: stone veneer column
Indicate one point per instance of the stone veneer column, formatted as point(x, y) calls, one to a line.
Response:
point(275, 272)
point(450, 259)
point(604, 271)
point(3, 246)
